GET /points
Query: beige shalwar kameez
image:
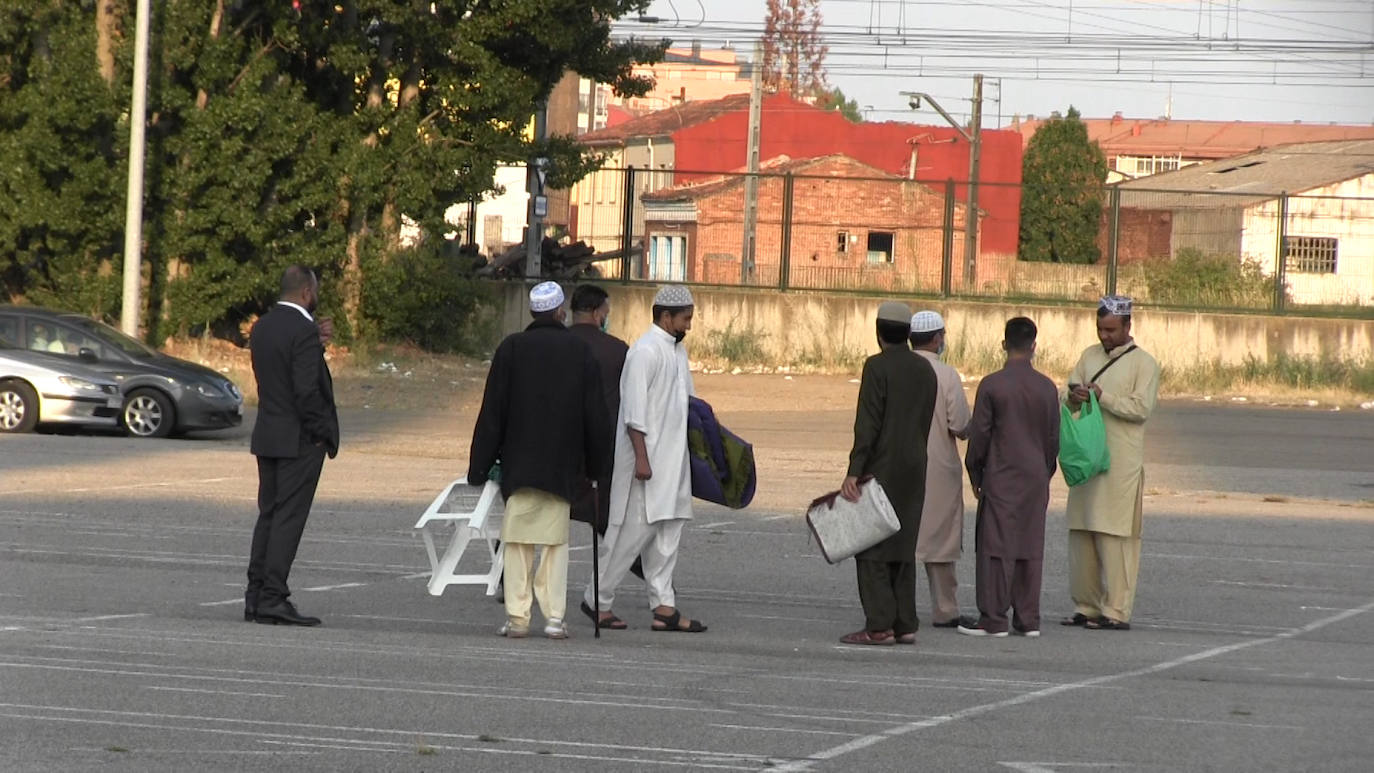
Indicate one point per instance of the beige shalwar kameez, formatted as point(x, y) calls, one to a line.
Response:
point(940, 540)
point(1104, 513)
point(535, 517)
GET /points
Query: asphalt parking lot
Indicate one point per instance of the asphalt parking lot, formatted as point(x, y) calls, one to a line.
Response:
point(122, 645)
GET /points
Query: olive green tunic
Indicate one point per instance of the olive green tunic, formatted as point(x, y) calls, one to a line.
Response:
point(897, 395)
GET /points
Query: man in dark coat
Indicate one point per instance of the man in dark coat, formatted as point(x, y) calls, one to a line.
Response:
point(543, 419)
point(897, 395)
point(1013, 448)
point(591, 308)
point(297, 425)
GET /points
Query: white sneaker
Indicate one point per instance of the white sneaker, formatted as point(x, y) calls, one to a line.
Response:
point(512, 631)
point(554, 629)
point(1034, 633)
point(979, 630)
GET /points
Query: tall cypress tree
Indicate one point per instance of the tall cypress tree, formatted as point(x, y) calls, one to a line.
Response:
point(1062, 174)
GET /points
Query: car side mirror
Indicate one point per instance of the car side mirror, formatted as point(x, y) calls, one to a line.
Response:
point(87, 355)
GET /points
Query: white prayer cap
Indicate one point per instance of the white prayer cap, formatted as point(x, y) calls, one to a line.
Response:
point(673, 297)
point(893, 311)
point(546, 296)
point(927, 322)
point(1116, 305)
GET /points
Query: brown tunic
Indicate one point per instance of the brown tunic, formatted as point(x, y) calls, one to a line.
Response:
point(1013, 449)
point(897, 395)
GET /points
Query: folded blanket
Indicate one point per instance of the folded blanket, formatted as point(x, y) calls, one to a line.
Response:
point(722, 463)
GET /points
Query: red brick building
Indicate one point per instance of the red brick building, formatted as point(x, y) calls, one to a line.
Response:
point(695, 141)
point(853, 225)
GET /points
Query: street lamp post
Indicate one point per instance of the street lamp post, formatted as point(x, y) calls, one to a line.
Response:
point(974, 136)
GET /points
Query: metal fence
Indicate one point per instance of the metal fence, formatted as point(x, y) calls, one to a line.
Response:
point(830, 230)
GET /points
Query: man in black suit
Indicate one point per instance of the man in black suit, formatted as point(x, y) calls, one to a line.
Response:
point(297, 425)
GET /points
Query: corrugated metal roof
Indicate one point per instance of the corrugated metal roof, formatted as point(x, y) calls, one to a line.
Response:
point(1254, 177)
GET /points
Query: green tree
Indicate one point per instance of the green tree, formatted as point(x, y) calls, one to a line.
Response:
point(834, 99)
point(277, 132)
point(1062, 174)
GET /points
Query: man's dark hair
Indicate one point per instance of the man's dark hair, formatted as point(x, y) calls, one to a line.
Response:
point(671, 310)
point(1020, 334)
point(890, 332)
point(295, 279)
point(588, 298)
point(1103, 311)
point(921, 339)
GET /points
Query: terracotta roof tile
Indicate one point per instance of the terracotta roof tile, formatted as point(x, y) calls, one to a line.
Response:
point(1201, 139)
point(664, 122)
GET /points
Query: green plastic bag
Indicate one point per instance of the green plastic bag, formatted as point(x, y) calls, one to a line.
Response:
point(1082, 443)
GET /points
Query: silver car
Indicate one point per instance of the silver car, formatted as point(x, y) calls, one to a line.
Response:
point(41, 388)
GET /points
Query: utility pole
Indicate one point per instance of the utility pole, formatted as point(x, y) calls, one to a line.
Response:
point(133, 212)
point(975, 153)
point(751, 182)
point(974, 136)
point(539, 204)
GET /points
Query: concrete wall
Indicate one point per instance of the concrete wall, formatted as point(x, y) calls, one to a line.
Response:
point(799, 327)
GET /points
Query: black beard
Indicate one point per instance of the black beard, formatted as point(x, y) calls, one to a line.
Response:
point(677, 337)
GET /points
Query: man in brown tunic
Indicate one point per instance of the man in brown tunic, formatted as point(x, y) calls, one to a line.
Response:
point(591, 307)
point(1013, 449)
point(896, 403)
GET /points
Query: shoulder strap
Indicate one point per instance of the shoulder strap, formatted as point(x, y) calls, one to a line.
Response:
point(1110, 363)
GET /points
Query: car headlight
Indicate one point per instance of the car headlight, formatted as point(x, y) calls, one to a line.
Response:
point(207, 390)
point(233, 390)
point(79, 383)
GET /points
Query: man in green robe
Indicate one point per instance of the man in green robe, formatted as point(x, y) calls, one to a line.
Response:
point(897, 395)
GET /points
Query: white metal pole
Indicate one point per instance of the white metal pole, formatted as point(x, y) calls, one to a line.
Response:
point(133, 213)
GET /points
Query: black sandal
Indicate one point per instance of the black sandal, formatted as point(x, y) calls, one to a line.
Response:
point(1106, 624)
point(611, 623)
point(673, 623)
point(1079, 619)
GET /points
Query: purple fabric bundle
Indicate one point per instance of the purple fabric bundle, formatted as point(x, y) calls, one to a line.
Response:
point(722, 463)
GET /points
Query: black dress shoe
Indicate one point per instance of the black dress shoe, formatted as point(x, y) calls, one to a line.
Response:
point(283, 613)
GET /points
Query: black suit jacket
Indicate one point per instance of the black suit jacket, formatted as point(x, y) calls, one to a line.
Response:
point(295, 391)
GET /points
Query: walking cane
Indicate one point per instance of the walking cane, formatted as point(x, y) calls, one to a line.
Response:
point(596, 566)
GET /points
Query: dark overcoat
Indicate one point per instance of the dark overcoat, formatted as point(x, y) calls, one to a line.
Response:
point(897, 394)
point(543, 414)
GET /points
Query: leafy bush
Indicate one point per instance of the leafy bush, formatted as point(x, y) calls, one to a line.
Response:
point(1195, 279)
point(422, 296)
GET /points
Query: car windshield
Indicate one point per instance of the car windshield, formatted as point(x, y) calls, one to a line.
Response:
point(130, 346)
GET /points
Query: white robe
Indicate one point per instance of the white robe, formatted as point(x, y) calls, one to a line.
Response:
point(654, 387)
point(940, 538)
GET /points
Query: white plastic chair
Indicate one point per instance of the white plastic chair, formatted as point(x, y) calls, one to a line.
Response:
point(470, 513)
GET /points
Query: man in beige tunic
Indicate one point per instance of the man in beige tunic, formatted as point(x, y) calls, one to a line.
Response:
point(1104, 513)
point(940, 540)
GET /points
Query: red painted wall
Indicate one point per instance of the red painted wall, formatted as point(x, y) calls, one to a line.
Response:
point(798, 130)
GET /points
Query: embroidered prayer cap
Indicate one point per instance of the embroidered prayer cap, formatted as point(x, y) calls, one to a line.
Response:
point(892, 311)
point(673, 297)
point(546, 296)
point(1116, 305)
point(927, 322)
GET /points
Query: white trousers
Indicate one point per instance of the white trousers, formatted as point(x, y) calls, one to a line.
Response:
point(655, 544)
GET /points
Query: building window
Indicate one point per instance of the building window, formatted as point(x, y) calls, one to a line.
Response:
point(668, 258)
point(1142, 166)
point(842, 241)
point(880, 246)
point(1310, 254)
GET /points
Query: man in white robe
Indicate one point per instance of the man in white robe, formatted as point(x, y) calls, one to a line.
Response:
point(1104, 512)
point(940, 540)
point(651, 487)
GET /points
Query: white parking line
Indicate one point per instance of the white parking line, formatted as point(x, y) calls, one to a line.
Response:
point(1048, 692)
point(1219, 722)
point(215, 692)
point(340, 586)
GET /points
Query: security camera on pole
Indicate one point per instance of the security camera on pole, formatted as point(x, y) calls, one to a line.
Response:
point(974, 136)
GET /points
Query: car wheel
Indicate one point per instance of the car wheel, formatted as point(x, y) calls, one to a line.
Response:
point(148, 413)
point(18, 407)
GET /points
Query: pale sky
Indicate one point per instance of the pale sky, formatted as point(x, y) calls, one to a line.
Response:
point(1258, 60)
